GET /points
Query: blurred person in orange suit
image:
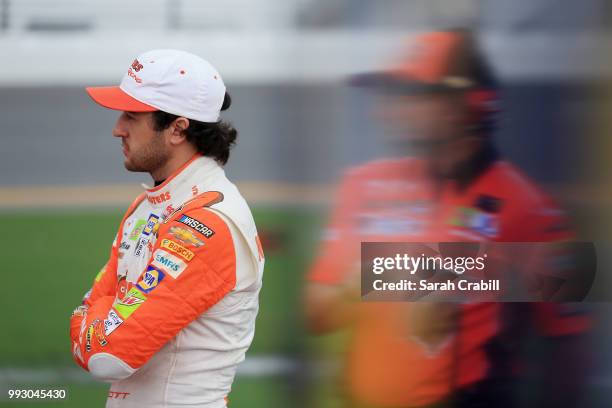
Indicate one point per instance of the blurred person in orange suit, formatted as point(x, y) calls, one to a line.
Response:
point(450, 183)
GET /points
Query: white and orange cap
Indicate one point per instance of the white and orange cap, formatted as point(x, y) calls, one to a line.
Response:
point(172, 81)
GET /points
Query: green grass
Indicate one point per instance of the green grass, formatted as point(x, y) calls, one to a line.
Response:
point(50, 259)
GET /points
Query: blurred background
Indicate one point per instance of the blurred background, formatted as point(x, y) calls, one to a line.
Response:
point(63, 187)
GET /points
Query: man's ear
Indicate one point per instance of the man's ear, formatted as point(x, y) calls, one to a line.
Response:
point(177, 130)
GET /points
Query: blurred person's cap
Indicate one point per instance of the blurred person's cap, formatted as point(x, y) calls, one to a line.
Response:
point(172, 81)
point(436, 61)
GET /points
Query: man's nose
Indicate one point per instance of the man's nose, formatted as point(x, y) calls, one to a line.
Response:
point(119, 130)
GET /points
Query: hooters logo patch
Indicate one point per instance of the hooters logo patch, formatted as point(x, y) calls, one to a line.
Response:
point(158, 199)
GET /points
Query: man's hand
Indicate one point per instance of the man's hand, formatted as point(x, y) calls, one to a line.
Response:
point(332, 307)
point(80, 311)
point(79, 323)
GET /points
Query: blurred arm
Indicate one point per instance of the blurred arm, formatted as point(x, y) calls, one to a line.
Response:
point(329, 307)
point(563, 327)
point(333, 283)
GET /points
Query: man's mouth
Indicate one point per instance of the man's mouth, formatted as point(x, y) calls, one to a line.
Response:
point(125, 149)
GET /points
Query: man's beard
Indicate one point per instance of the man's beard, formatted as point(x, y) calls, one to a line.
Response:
point(150, 158)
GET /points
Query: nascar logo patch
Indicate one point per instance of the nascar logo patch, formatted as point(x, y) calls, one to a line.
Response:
point(197, 225)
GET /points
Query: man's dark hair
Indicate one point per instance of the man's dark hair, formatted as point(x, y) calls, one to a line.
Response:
point(212, 139)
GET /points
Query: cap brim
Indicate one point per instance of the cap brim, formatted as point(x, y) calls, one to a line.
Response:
point(112, 97)
point(392, 82)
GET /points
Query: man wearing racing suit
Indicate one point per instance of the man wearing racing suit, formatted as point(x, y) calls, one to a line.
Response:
point(442, 100)
point(172, 313)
